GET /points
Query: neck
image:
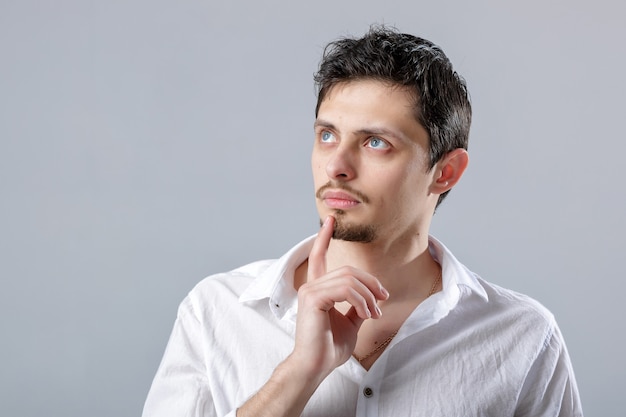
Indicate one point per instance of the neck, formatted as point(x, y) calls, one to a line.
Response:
point(401, 266)
point(405, 266)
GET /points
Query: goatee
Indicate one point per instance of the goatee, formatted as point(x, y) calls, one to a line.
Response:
point(362, 233)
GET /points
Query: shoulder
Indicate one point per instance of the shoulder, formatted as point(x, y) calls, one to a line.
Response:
point(521, 312)
point(508, 323)
point(514, 300)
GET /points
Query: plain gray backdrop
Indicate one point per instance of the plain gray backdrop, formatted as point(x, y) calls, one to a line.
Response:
point(147, 144)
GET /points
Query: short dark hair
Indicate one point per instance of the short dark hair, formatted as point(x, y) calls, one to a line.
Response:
point(442, 104)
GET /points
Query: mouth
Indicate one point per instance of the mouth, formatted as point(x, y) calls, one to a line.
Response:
point(340, 197)
point(339, 200)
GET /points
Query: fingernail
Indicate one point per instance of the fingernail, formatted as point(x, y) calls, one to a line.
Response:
point(326, 221)
point(380, 313)
point(384, 292)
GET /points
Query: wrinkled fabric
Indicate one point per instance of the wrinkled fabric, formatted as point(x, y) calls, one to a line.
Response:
point(472, 349)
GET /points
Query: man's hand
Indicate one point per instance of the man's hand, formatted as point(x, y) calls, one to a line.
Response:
point(325, 338)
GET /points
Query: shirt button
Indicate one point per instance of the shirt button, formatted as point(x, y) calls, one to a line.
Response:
point(368, 392)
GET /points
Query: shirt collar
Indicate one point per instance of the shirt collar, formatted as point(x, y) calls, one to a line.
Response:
point(454, 273)
point(276, 282)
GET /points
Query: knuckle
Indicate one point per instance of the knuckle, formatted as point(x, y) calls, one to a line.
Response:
point(346, 290)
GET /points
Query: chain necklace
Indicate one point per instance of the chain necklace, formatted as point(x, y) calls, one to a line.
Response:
point(388, 340)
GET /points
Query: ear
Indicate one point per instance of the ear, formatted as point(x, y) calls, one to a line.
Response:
point(449, 170)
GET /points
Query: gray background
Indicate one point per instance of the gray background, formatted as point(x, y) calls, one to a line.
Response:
point(147, 144)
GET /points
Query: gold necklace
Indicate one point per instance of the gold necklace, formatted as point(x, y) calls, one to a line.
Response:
point(390, 338)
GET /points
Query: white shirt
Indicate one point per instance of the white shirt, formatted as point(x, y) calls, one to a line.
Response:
point(472, 349)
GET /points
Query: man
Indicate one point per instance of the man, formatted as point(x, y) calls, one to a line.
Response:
point(371, 317)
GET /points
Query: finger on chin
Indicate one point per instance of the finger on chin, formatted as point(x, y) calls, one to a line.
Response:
point(317, 256)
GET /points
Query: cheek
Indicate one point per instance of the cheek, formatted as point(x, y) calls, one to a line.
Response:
point(317, 170)
point(315, 165)
point(319, 174)
point(317, 159)
point(409, 185)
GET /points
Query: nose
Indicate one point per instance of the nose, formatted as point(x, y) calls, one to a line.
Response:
point(341, 165)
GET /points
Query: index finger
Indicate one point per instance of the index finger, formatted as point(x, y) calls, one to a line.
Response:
point(317, 256)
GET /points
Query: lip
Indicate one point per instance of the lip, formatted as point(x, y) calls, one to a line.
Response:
point(339, 199)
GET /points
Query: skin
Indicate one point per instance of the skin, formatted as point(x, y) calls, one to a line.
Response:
point(352, 294)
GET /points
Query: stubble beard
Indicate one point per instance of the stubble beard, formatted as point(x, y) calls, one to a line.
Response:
point(350, 232)
point(344, 230)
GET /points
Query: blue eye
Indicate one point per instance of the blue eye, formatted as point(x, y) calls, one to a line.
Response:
point(377, 143)
point(327, 137)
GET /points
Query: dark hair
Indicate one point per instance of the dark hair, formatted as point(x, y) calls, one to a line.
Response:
point(442, 104)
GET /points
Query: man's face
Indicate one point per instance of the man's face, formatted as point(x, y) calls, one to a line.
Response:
point(370, 163)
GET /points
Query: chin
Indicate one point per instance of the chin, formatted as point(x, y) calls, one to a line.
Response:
point(351, 232)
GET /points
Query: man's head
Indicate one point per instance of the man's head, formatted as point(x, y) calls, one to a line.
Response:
point(441, 102)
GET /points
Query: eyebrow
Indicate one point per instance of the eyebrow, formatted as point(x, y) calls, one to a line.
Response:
point(323, 123)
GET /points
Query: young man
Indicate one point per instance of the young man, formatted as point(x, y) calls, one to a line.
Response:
point(371, 317)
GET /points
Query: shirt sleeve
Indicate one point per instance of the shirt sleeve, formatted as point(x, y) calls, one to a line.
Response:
point(550, 388)
point(180, 387)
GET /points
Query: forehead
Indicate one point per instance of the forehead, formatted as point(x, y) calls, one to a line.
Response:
point(373, 86)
